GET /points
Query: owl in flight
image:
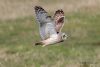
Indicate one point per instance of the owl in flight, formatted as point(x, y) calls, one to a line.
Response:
point(50, 27)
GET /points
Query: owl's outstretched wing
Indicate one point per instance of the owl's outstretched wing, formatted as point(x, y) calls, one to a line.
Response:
point(59, 20)
point(41, 17)
point(46, 23)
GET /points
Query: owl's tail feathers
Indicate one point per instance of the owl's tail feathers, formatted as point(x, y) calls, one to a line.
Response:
point(39, 43)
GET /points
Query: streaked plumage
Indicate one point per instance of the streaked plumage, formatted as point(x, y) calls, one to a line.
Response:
point(50, 28)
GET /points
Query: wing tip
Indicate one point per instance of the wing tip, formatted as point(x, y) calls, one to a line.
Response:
point(38, 8)
point(59, 11)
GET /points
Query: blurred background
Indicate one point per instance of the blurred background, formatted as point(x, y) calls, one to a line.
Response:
point(19, 31)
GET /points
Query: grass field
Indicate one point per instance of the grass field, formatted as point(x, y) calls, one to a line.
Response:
point(19, 32)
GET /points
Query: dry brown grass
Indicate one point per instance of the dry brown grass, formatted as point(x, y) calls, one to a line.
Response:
point(12, 9)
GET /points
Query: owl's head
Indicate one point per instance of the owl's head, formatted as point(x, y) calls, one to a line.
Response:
point(64, 36)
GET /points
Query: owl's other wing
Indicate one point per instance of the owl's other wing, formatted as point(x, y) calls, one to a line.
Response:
point(59, 19)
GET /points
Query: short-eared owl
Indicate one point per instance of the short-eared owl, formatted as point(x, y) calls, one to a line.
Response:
point(50, 27)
